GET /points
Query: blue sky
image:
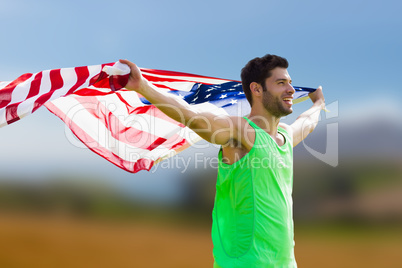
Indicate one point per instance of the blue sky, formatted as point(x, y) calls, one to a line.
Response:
point(347, 46)
point(351, 48)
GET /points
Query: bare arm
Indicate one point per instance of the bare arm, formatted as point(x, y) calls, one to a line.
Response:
point(213, 128)
point(308, 120)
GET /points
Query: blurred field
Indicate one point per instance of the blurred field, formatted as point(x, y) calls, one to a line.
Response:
point(349, 247)
point(345, 217)
point(59, 241)
point(50, 242)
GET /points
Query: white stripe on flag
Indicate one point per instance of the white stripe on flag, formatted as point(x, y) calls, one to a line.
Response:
point(97, 131)
point(20, 92)
point(183, 86)
point(188, 78)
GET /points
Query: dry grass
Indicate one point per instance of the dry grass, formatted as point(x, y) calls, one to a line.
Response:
point(50, 242)
point(350, 247)
point(56, 242)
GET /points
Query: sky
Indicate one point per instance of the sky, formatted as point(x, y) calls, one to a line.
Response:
point(351, 48)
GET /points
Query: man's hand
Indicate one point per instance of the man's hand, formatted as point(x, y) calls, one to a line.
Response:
point(136, 81)
point(317, 97)
point(308, 120)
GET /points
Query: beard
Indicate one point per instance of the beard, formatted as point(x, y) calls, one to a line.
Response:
point(275, 105)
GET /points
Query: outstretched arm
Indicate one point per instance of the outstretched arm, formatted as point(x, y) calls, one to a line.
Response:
point(308, 120)
point(213, 128)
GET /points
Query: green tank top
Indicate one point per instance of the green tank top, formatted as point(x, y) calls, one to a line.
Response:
point(252, 216)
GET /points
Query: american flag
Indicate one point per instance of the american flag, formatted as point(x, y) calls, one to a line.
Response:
point(121, 125)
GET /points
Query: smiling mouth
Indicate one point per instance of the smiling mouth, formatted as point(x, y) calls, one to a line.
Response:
point(288, 100)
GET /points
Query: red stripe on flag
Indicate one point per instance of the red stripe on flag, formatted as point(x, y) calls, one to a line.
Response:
point(126, 134)
point(151, 109)
point(133, 167)
point(121, 98)
point(178, 144)
point(178, 76)
point(7, 91)
point(101, 76)
point(11, 110)
point(154, 79)
point(82, 76)
point(91, 92)
point(151, 78)
point(156, 143)
point(35, 85)
point(57, 82)
point(101, 82)
point(118, 82)
point(11, 113)
point(113, 82)
point(142, 164)
point(164, 86)
point(173, 73)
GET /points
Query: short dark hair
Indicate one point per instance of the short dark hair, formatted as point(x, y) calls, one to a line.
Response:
point(258, 70)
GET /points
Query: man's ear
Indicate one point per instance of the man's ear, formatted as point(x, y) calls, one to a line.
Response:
point(256, 89)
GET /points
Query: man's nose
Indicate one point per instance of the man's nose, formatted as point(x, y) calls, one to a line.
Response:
point(291, 89)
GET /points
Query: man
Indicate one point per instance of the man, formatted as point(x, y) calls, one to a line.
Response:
point(252, 216)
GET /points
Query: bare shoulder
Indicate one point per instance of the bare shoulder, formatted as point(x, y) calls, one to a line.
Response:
point(286, 127)
point(241, 142)
point(238, 121)
point(237, 124)
point(243, 133)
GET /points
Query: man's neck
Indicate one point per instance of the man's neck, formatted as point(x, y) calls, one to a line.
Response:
point(265, 120)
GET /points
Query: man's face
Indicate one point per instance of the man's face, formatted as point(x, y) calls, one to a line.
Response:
point(278, 94)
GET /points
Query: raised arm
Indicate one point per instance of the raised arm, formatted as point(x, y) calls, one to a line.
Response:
point(213, 128)
point(308, 120)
